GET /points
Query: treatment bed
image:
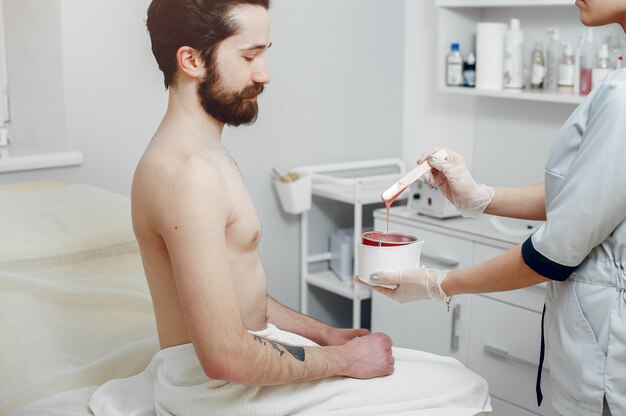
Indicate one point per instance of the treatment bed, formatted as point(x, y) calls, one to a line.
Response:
point(75, 310)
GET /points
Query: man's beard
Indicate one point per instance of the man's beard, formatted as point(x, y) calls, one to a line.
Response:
point(231, 108)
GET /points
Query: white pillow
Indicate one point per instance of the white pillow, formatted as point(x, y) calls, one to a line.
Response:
point(50, 222)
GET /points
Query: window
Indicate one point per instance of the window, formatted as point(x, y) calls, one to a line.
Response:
point(4, 87)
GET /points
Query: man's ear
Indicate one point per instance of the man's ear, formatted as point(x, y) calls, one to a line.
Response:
point(190, 62)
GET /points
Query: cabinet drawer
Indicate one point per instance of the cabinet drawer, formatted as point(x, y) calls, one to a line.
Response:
point(501, 408)
point(530, 297)
point(425, 326)
point(504, 349)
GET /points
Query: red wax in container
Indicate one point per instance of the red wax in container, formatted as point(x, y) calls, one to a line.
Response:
point(381, 239)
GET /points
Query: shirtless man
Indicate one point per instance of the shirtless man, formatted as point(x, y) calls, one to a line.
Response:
point(199, 232)
point(199, 235)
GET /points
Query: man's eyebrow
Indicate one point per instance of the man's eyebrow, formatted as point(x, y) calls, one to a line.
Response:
point(259, 46)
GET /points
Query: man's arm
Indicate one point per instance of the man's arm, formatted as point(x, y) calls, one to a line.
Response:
point(191, 214)
point(289, 320)
point(524, 203)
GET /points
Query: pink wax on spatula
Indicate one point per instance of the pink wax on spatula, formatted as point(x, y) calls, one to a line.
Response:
point(394, 191)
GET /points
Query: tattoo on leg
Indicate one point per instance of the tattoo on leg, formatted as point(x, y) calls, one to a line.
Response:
point(297, 352)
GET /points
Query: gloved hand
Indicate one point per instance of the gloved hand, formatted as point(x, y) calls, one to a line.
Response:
point(412, 284)
point(455, 181)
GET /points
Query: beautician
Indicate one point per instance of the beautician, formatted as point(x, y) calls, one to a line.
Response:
point(580, 250)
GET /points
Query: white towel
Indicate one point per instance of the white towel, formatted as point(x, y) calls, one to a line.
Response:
point(175, 384)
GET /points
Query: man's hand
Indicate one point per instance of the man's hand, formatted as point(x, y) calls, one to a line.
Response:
point(339, 336)
point(368, 356)
point(411, 285)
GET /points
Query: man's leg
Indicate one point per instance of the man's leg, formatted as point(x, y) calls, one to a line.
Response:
point(420, 381)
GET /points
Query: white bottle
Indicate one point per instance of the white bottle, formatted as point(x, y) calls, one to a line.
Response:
point(567, 69)
point(587, 61)
point(614, 42)
point(602, 67)
point(553, 57)
point(469, 71)
point(454, 66)
point(577, 56)
point(537, 68)
point(514, 56)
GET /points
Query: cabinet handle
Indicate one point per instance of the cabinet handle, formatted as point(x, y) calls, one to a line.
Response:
point(502, 354)
point(446, 261)
point(454, 336)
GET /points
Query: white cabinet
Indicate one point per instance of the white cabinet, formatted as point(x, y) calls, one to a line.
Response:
point(497, 335)
point(457, 23)
point(504, 349)
point(435, 330)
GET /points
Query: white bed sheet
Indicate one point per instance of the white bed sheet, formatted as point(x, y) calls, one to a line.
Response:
point(75, 310)
point(70, 403)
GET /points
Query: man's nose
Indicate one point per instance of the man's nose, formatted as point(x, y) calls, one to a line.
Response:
point(262, 75)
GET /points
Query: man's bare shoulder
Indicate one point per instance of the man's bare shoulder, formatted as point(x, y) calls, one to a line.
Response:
point(168, 184)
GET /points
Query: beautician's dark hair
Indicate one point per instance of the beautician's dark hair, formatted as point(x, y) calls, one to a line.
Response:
point(200, 24)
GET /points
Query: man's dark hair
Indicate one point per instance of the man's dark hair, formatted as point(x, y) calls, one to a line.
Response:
point(200, 24)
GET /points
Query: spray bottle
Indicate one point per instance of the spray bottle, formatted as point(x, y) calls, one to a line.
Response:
point(553, 56)
point(586, 61)
point(538, 68)
point(567, 73)
point(602, 68)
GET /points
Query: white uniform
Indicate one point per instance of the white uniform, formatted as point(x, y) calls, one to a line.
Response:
point(582, 247)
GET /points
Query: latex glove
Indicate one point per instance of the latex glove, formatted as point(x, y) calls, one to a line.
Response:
point(455, 181)
point(412, 284)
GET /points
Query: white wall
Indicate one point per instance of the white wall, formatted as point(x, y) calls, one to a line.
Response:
point(336, 95)
point(431, 119)
point(3, 69)
point(33, 44)
point(112, 92)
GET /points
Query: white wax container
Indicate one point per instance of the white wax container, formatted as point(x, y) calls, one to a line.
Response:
point(490, 55)
point(387, 259)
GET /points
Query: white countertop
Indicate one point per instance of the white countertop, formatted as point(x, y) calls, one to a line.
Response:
point(486, 228)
